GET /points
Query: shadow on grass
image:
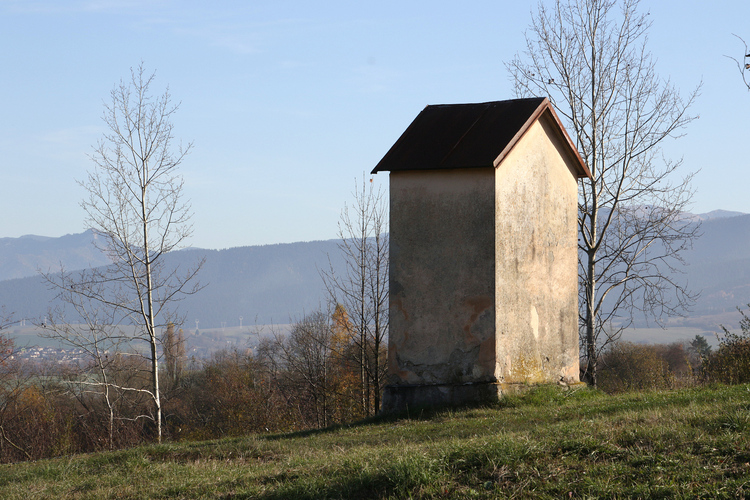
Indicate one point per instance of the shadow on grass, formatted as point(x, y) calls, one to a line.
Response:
point(405, 474)
point(416, 414)
point(538, 396)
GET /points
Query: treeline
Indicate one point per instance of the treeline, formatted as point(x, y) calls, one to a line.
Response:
point(309, 378)
point(317, 375)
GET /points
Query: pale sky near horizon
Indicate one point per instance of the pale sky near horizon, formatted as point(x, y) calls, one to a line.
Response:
point(288, 102)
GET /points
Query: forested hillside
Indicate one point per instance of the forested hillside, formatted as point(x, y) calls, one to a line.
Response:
point(273, 283)
point(25, 256)
point(269, 283)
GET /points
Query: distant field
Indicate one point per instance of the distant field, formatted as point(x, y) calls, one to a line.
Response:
point(667, 335)
point(207, 341)
point(685, 329)
point(203, 342)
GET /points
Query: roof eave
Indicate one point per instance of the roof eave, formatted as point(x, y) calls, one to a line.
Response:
point(394, 147)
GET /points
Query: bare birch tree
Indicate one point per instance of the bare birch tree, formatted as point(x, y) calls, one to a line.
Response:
point(363, 287)
point(590, 58)
point(136, 206)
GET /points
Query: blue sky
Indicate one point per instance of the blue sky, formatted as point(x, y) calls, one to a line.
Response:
point(288, 102)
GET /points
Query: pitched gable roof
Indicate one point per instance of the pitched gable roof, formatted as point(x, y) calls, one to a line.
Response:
point(470, 135)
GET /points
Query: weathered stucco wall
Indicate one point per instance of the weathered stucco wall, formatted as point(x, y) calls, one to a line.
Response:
point(483, 276)
point(536, 262)
point(442, 268)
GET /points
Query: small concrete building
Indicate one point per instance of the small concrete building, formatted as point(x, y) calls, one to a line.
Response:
point(483, 253)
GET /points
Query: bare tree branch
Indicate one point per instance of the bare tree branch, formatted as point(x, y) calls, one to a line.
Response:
point(743, 65)
point(14, 445)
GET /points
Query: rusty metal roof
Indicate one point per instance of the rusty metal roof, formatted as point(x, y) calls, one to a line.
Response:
point(469, 135)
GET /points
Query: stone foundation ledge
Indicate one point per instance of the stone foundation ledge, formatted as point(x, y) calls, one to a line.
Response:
point(399, 398)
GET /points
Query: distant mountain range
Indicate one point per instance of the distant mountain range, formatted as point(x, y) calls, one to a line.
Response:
point(264, 284)
point(719, 265)
point(718, 214)
point(24, 256)
point(276, 283)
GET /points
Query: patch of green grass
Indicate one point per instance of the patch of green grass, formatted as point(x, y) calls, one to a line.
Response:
point(547, 443)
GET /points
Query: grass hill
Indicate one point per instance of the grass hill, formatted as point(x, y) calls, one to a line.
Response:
point(548, 443)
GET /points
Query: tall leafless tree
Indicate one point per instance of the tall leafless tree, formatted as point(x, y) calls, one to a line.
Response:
point(362, 289)
point(590, 57)
point(303, 359)
point(136, 206)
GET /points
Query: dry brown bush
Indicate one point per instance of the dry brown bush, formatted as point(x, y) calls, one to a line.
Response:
point(626, 366)
point(231, 395)
point(731, 363)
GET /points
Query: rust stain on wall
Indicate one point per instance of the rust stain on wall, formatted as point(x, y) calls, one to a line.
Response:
point(477, 305)
point(398, 303)
point(393, 364)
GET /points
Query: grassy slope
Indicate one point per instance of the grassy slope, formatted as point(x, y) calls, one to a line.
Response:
point(545, 444)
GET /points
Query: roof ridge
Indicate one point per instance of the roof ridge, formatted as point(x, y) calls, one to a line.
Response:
point(532, 118)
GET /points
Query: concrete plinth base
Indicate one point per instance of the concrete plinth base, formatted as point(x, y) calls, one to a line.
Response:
point(397, 398)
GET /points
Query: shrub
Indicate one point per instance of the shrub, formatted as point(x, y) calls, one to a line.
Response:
point(231, 395)
point(626, 366)
point(731, 363)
